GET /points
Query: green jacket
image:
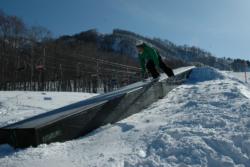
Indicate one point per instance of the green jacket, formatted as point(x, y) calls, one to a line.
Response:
point(149, 53)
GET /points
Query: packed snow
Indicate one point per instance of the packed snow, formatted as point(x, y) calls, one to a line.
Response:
point(18, 105)
point(204, 122)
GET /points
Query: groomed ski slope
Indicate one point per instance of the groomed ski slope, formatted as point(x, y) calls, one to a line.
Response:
point(19, 105)
point(204, 122)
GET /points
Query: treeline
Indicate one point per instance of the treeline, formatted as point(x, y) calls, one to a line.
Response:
point(31, 59)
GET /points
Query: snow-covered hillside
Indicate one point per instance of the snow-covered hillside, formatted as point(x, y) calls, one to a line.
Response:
point(204, 122)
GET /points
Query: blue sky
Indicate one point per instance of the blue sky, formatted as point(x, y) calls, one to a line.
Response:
point(219, 26)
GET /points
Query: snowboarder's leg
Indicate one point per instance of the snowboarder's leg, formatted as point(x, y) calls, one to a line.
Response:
point(166, 69)
point(151, 68)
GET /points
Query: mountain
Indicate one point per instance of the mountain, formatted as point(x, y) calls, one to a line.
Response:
point(123, 42)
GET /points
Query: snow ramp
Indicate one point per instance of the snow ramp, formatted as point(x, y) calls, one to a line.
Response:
point(78, 119)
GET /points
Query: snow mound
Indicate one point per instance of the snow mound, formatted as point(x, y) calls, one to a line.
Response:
point(205, 74)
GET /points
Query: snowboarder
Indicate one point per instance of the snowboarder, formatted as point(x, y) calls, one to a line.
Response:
point(150, 59)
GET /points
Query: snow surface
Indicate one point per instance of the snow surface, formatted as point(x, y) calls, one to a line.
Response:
point(18, 105)
point(204, 122)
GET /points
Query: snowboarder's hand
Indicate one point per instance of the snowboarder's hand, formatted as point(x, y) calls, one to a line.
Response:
point(143, 76)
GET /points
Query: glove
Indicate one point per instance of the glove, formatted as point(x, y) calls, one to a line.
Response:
point(143, 76)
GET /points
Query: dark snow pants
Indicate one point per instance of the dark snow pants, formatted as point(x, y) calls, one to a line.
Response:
point(151, 68)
